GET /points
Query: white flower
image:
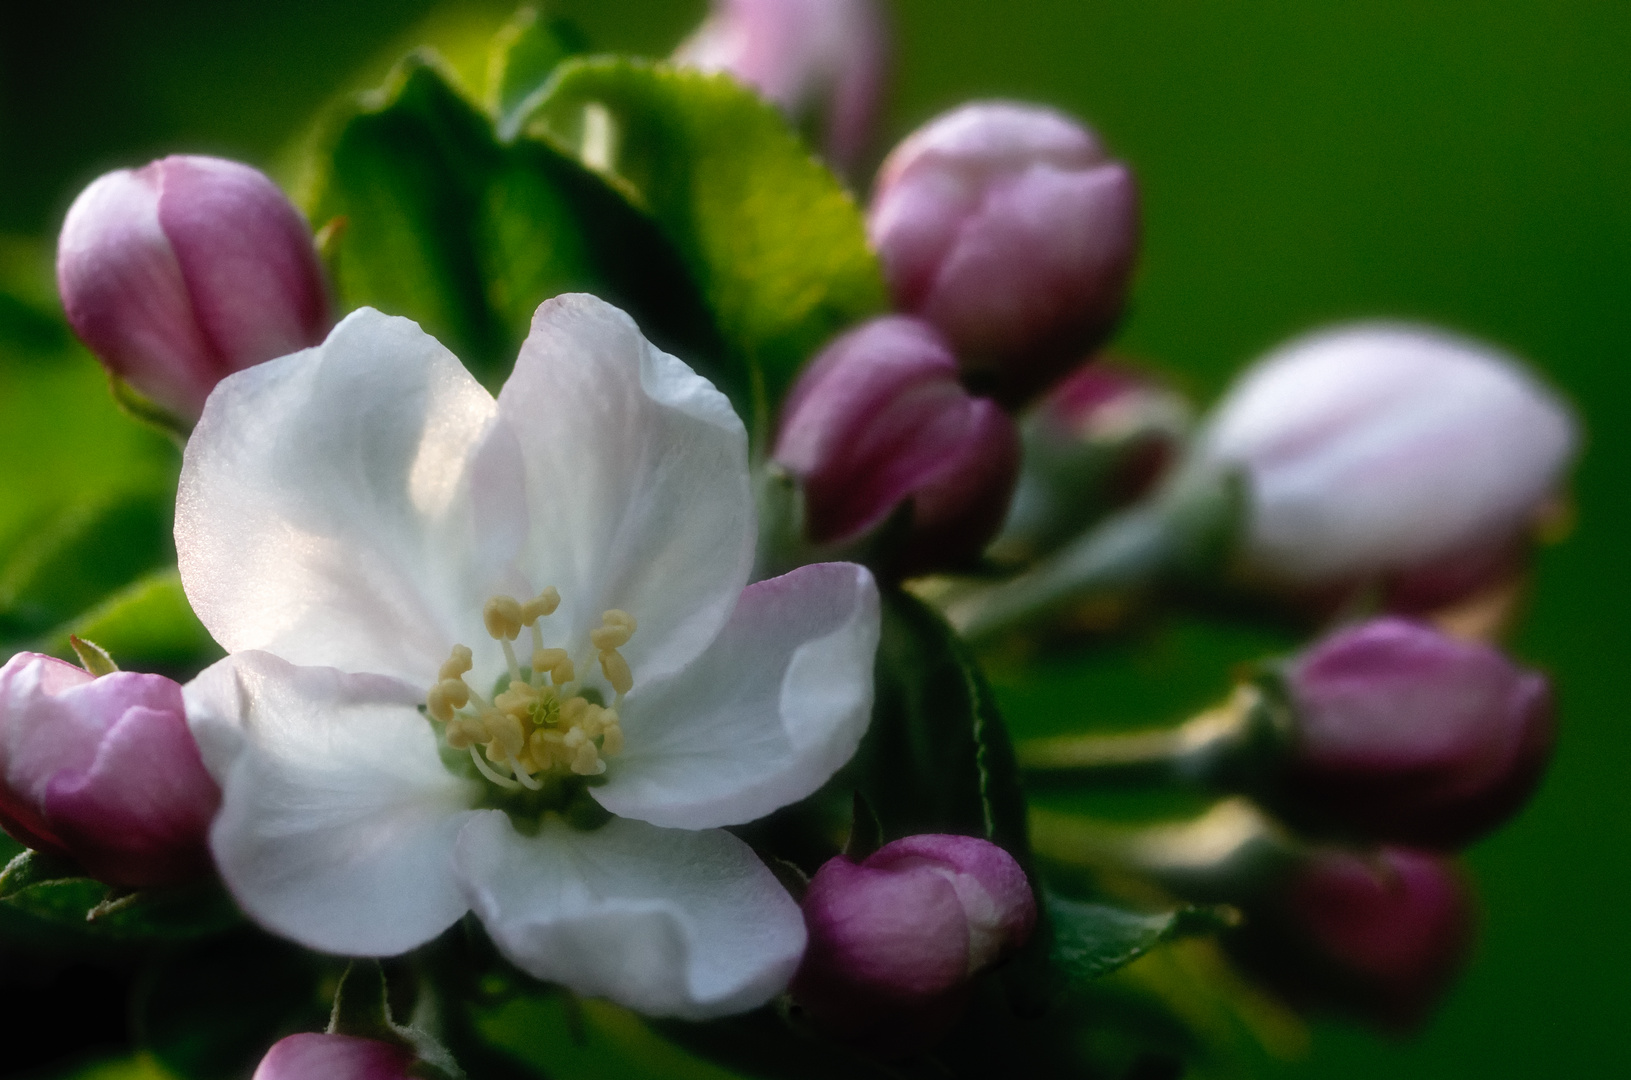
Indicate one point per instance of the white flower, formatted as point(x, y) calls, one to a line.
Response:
point(351, 516)
point(1379, 446)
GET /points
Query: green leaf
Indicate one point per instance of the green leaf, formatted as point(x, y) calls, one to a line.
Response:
point(1091, 940)
point(39, 906)
point(148, 623)
point(771, 237)
point(446, 226)
point(525, 54)
point(210, 1011)
point(936, 757)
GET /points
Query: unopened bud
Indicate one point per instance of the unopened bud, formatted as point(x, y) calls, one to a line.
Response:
point(313, 1056)
point(1379, 448)
point(1379, 934)
point(1009, 228)
point(879, 418)
point(1405, 734)
point(817, 59)
point(104, 771)
point(1098, 441)
point(186, 270)
point(894, 940)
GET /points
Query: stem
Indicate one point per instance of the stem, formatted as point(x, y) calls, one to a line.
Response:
point(1205, 749)
point(1225, 854)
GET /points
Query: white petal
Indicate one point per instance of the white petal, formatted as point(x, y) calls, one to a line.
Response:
point(338, 819)
point(665, 921)
point(350, 505)
point(761, 719)
point(637, 484)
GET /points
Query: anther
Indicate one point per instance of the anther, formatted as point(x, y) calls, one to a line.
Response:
point(541, 605)
point(619, 617)
point(502, 617)
point(606, 638)
point(616, 670)
point(437, 704)
point(457, 664)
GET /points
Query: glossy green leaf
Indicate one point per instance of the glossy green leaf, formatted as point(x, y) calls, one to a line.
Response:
point(147, 625)
point(525, 54)
point(936, 757)
point(443, 224)
point(42, 901)
point(772, 238)
point(1090, 940)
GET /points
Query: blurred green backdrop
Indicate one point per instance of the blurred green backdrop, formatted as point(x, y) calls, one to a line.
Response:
point(1302, 161)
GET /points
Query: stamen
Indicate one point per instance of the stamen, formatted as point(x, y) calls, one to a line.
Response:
point(509, 658)
point(457, 664)
point(541, 605)
point(616, 670)
point(487, 771)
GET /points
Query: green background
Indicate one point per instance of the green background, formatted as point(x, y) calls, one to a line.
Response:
point(1301, 161)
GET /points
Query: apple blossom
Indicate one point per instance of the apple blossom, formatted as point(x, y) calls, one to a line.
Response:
point(314, 1056)
point(465, 632)
point(186, 269)
point(104, 771)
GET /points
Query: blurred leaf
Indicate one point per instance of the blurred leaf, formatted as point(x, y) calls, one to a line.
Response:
point(573, 1039)
point(936, 757)
point(40, 906)
point(134, 1067)
point(525, 54)
point(209, 1012)
point(773, 240)
point(146, 625)
point(467, 236)
point(1093, 939)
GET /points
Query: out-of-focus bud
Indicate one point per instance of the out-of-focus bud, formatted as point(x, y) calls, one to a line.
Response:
point(311, 1056)
point(1098, 441)
point(1406, 734)
point(879, 418)
point(1010, 229)
point(186, 270)
point(1380, 448)
point(895, 939)
point(1380, 935)
point(820, 59)
point(104, 771)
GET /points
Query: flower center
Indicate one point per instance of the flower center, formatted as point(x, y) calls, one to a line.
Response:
point(540, 723)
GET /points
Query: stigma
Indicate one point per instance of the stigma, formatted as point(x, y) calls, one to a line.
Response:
point(539, 723)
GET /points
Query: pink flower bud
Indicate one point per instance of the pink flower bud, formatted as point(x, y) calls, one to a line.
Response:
point(1407, 734)
point(1379, 448)
point(311, 1056)
point(894, 940)
point(186, 270)
point(104, 771)
point(1099, 440)
point(1380, 935)
point(821, 57)
point(878, 418)
point(1010, 229)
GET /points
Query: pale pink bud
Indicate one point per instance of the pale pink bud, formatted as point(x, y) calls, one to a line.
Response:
point(104, 771)
point(312, 1056)
point(186, 270)
point(895, 939)
point(1380, 934)
point(825, 58)
point(879, 418)
point(1404, 733)
point(1377, 448)
point(1010, 229)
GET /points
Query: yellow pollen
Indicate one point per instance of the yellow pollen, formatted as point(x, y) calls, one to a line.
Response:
point(539, 723)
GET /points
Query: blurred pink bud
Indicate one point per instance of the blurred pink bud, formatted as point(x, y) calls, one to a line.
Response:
point(1379, 448)
point(1381, 935)
point(1010, 229)
point(1099, 440)
point(894, 940)
point(1407, 734)
point(878, 418)
point(104, 771)
point(311, 1056)
point(186, 270)
point(820, 57)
